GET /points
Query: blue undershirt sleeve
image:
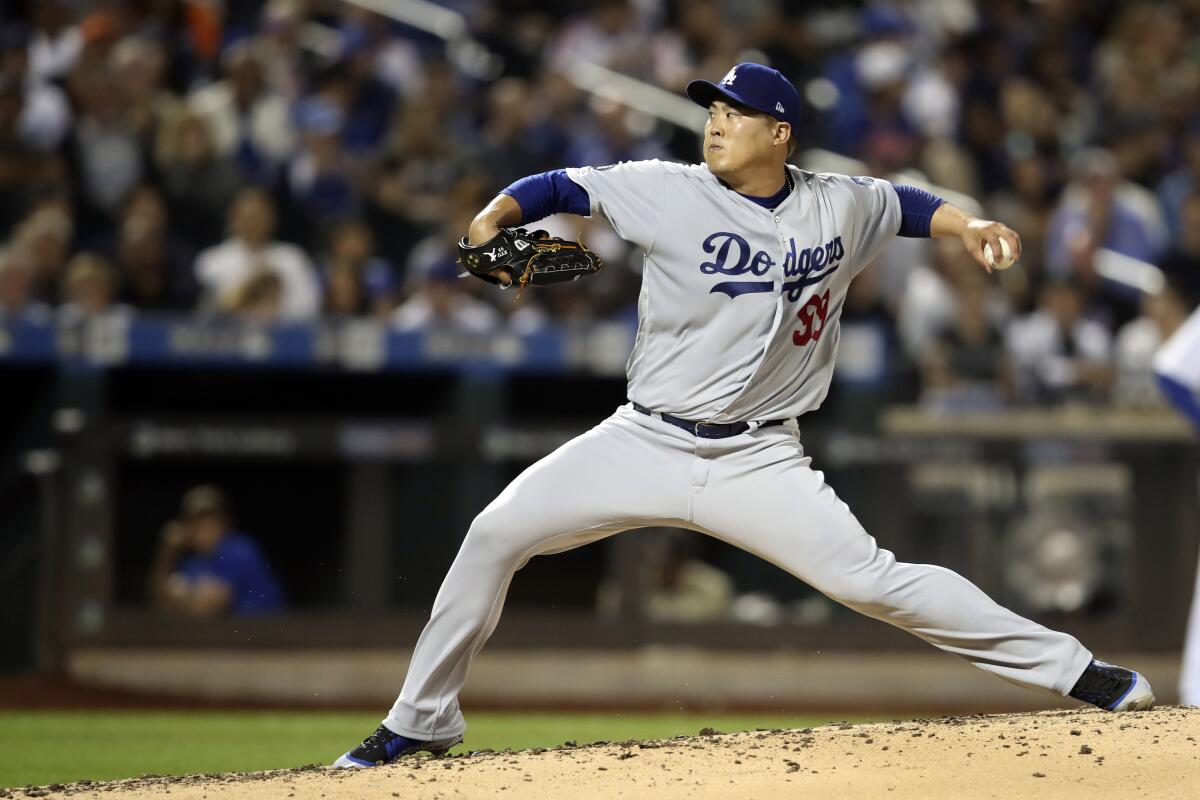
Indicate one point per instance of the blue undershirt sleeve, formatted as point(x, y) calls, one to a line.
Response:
point(916, 211)
point(1182, 397)
point(548, 193)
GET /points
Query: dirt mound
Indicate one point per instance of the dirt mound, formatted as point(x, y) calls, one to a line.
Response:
point(1061, 754)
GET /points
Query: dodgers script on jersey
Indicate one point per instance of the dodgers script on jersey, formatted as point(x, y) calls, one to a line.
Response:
point(739, 306)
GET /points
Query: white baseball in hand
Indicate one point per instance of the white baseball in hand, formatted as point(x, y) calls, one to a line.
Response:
point(1006, 255)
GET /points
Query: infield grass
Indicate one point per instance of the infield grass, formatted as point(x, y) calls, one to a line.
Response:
point(60, 747)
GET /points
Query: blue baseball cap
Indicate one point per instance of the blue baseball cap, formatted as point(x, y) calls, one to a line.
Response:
point(756, 86)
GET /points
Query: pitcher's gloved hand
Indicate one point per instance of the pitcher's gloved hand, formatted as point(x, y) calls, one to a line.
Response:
point(531, 258)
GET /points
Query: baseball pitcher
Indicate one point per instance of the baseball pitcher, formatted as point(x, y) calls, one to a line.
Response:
point(747, 264)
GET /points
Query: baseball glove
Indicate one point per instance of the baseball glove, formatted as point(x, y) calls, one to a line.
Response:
point(532, 258)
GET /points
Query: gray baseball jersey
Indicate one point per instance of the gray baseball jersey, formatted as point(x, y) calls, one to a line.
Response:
point(737, 317)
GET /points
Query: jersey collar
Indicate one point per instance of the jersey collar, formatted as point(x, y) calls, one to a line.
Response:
point(774, 201)
point(794, 180)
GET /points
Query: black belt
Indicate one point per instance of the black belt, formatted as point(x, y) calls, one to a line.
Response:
point(707, 430)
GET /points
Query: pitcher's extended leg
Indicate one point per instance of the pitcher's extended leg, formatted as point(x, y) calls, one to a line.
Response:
point(784, 512)
point(611, 478)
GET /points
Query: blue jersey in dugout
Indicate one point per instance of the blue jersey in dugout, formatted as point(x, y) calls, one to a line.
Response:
point(237, 562)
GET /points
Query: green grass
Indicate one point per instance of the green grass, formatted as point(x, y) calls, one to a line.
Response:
point(60, 747)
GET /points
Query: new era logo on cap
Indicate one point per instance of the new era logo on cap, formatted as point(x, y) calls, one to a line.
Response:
point(753, 85)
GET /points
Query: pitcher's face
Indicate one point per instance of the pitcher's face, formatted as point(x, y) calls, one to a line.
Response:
point(736, 137)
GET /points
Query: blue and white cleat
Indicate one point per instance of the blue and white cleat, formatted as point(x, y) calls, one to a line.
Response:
point(384, 747)
point(1113, 688)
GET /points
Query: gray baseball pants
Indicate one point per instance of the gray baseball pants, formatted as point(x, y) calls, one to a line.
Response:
point(757, 491)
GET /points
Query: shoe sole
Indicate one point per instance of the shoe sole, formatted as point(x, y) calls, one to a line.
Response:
point(443, 747)
point(436, 749)
point(1140, 697)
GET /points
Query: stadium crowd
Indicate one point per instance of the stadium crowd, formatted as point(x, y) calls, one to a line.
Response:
point(289, 159)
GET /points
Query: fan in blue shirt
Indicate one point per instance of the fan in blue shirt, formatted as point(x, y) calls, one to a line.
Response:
point(205, 568)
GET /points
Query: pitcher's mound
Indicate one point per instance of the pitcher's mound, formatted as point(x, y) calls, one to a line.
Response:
point(1089, 755)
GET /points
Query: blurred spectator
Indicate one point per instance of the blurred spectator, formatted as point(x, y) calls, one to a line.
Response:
point(1099, 210)
point(16, 290)
point(967, 368)
point(345, 294)
point(867, 353)
point(100, 29)
point(867, 113)
point(199, 184)
point(56, 42)
point(1138, 142)
point(248, 249)
point(284, 64)
point(1182, 183)
point(366, 103)
point(516, 32)
point(155, 273)
point(1139, 339)
point(205, 568)
point(441, 303)
point(440, 246)
point(89, 287)
point(45, 114)
point(525, 315)
point(104, 152)
point(25, 170)
point(1030, 112)
point(319, 180)
point(425, 167)
point(928, 304)
point(139, 68)
point(250, 122)
point(981, 127)
point(1142, 65)
point(388, 203)
point(396, 60)
point(1058, 354)
point(617, 134)
point(886, 137)
point(931, 97)
point(698, 42)
point(357, 282)
point(516, 139)
point(610, 35)
point(44, 240)
point(430, 155)
point(1027, 204)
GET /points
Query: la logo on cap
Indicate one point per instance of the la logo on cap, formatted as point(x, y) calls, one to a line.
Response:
point(729, 76)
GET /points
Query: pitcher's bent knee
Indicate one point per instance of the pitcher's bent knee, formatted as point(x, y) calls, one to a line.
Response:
point(497, 534)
